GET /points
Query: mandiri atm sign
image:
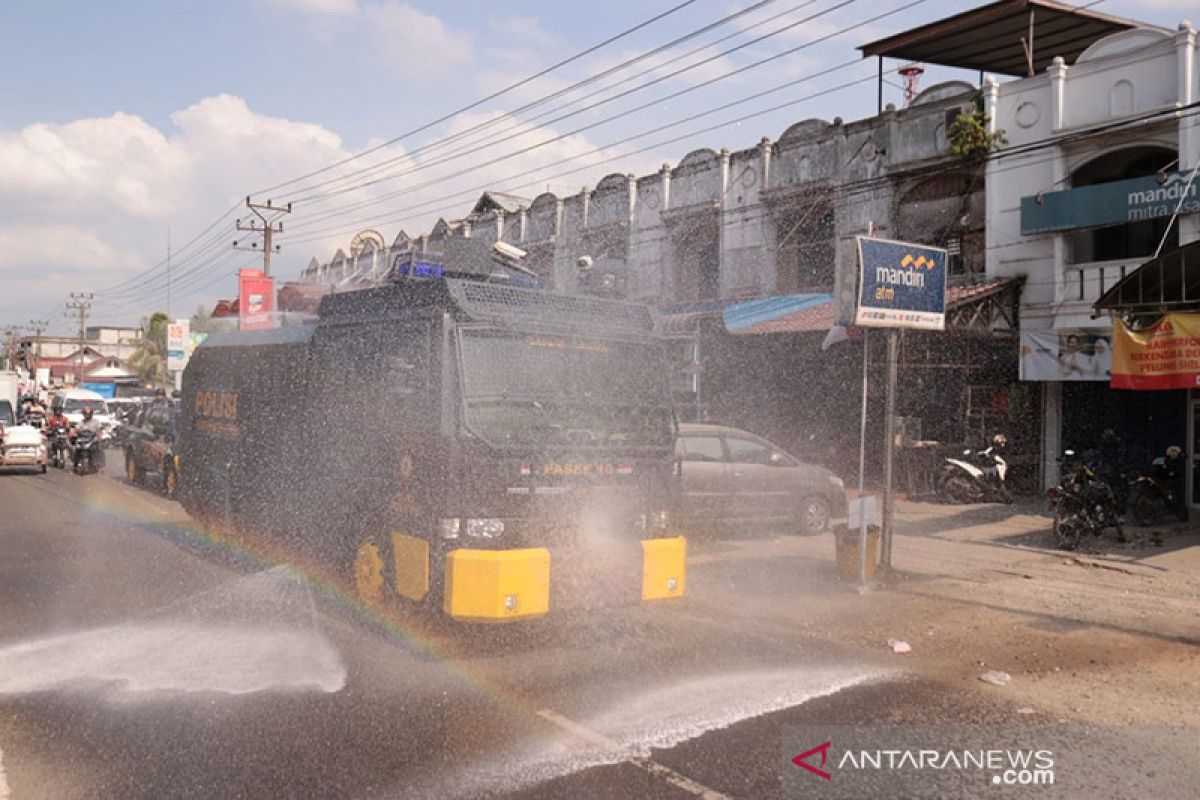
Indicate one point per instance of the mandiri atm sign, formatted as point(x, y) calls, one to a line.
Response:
point(900, 285)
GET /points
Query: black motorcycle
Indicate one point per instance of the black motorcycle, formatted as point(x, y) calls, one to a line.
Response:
point(1159, 492)
point(60, 442)
point(1084, 504)
point(86, 452)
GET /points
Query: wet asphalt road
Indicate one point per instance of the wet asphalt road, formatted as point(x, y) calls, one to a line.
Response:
point(138, 659)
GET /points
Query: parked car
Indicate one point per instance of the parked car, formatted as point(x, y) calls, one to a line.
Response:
point(732, 478)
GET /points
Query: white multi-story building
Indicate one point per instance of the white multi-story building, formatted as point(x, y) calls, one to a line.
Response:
point(1098, 152)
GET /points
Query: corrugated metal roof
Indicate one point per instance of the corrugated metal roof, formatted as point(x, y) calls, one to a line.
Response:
point(988, 38)
point(792, 313)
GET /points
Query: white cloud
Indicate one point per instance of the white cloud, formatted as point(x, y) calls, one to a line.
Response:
point(416, 45)
point(336, 7)
point(86, 204)
point(119, 160)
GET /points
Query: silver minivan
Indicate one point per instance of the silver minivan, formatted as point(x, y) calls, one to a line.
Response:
point(733, 478)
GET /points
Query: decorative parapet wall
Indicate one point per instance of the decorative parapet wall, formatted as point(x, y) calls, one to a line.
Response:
point(721, 223)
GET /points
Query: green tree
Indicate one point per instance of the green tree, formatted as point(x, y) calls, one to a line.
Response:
point(149, 359)
point(969, 135)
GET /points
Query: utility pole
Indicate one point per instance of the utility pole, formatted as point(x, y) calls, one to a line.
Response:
point(268, 224)
point(10, 345)
point(168, 272)
point(80, 302)
point(37, 325)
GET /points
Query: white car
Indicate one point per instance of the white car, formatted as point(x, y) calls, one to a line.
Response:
point(73, 401)
point(22, 446)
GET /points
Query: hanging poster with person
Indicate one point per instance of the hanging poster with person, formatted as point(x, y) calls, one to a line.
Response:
point(1066, 354)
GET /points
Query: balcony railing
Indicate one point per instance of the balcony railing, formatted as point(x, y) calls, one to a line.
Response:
point(1084, 283)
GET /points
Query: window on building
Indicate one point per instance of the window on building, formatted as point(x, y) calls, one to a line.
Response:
point(1132, 239)
point(805, 253)
point(697, 262)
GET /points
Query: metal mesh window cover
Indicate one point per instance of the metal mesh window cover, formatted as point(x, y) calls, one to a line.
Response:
point(491, 300)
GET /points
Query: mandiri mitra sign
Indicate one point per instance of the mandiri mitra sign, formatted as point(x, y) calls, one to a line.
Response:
point(1165, 355)
point(900, 285)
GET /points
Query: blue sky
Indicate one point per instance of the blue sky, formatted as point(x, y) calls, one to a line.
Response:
point(121, 119)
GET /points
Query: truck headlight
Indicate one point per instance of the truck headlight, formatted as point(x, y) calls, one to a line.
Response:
point(657, 520)
point(449, 528)
point(836, 481)
point(485, 528)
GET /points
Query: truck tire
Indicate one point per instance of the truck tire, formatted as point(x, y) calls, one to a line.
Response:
point(169, 480)
point(369, 573)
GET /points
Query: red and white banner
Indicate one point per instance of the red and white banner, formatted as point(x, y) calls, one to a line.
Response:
point(256, 299)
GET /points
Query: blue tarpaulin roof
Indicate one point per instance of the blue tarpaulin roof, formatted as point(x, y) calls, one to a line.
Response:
point(769, 309)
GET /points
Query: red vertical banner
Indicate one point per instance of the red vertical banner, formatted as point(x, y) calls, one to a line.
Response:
point(256, 300)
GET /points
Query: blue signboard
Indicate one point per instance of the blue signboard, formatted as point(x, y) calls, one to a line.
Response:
point(105, 390)
point(1110, 203)
point(900, 285)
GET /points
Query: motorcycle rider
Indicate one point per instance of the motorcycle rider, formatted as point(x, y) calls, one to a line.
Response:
point(32, 407)
point(89, 423)
point(57, 420)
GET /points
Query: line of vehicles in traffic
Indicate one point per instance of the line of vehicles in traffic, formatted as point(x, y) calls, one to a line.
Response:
point(76, 426)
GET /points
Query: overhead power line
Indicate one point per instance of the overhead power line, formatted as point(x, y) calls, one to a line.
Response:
point(477, 103)
point(644, 106)
point(514, 115)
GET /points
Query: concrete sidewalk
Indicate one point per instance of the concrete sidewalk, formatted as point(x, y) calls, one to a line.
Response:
point(1109, 634)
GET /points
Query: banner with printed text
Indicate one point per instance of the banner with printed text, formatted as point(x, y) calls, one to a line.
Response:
point(256, 300)
point(1165, 355)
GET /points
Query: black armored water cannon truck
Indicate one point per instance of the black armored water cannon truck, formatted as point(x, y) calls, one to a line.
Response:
point(458, 437)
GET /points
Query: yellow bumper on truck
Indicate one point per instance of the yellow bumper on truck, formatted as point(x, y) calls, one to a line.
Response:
point(664, 568)
point(497, 585)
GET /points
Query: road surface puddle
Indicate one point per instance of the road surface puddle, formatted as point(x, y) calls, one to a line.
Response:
point(254, 634)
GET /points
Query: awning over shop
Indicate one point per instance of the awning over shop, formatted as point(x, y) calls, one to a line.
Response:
point(989, 38)
point(681, 318)
point(982, 306)
point(1170, 282)
point(792, 313)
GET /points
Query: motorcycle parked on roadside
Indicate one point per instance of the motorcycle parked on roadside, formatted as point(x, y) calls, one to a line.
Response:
point(1084, 504)
point(85, 452)
point(1159, 492)
point(976, 476)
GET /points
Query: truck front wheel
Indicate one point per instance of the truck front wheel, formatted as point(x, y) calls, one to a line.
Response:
point(369, 580)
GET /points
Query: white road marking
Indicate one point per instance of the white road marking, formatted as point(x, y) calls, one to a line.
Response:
point(5, 792)
point(651, 766)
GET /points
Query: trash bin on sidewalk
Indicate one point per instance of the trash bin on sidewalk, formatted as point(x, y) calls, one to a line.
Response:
point(846, 544)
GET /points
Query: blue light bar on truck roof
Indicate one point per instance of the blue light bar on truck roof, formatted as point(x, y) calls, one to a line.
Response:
point(408, 268)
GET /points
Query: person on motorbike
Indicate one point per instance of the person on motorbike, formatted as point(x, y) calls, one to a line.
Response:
point(32, 408)
point(55, 422)
point(89, 423)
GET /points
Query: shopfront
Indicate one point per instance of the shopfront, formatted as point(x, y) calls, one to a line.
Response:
point(1156, 354)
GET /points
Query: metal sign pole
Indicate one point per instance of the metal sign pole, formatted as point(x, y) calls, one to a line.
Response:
point(885, 547)
point(862, 471)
